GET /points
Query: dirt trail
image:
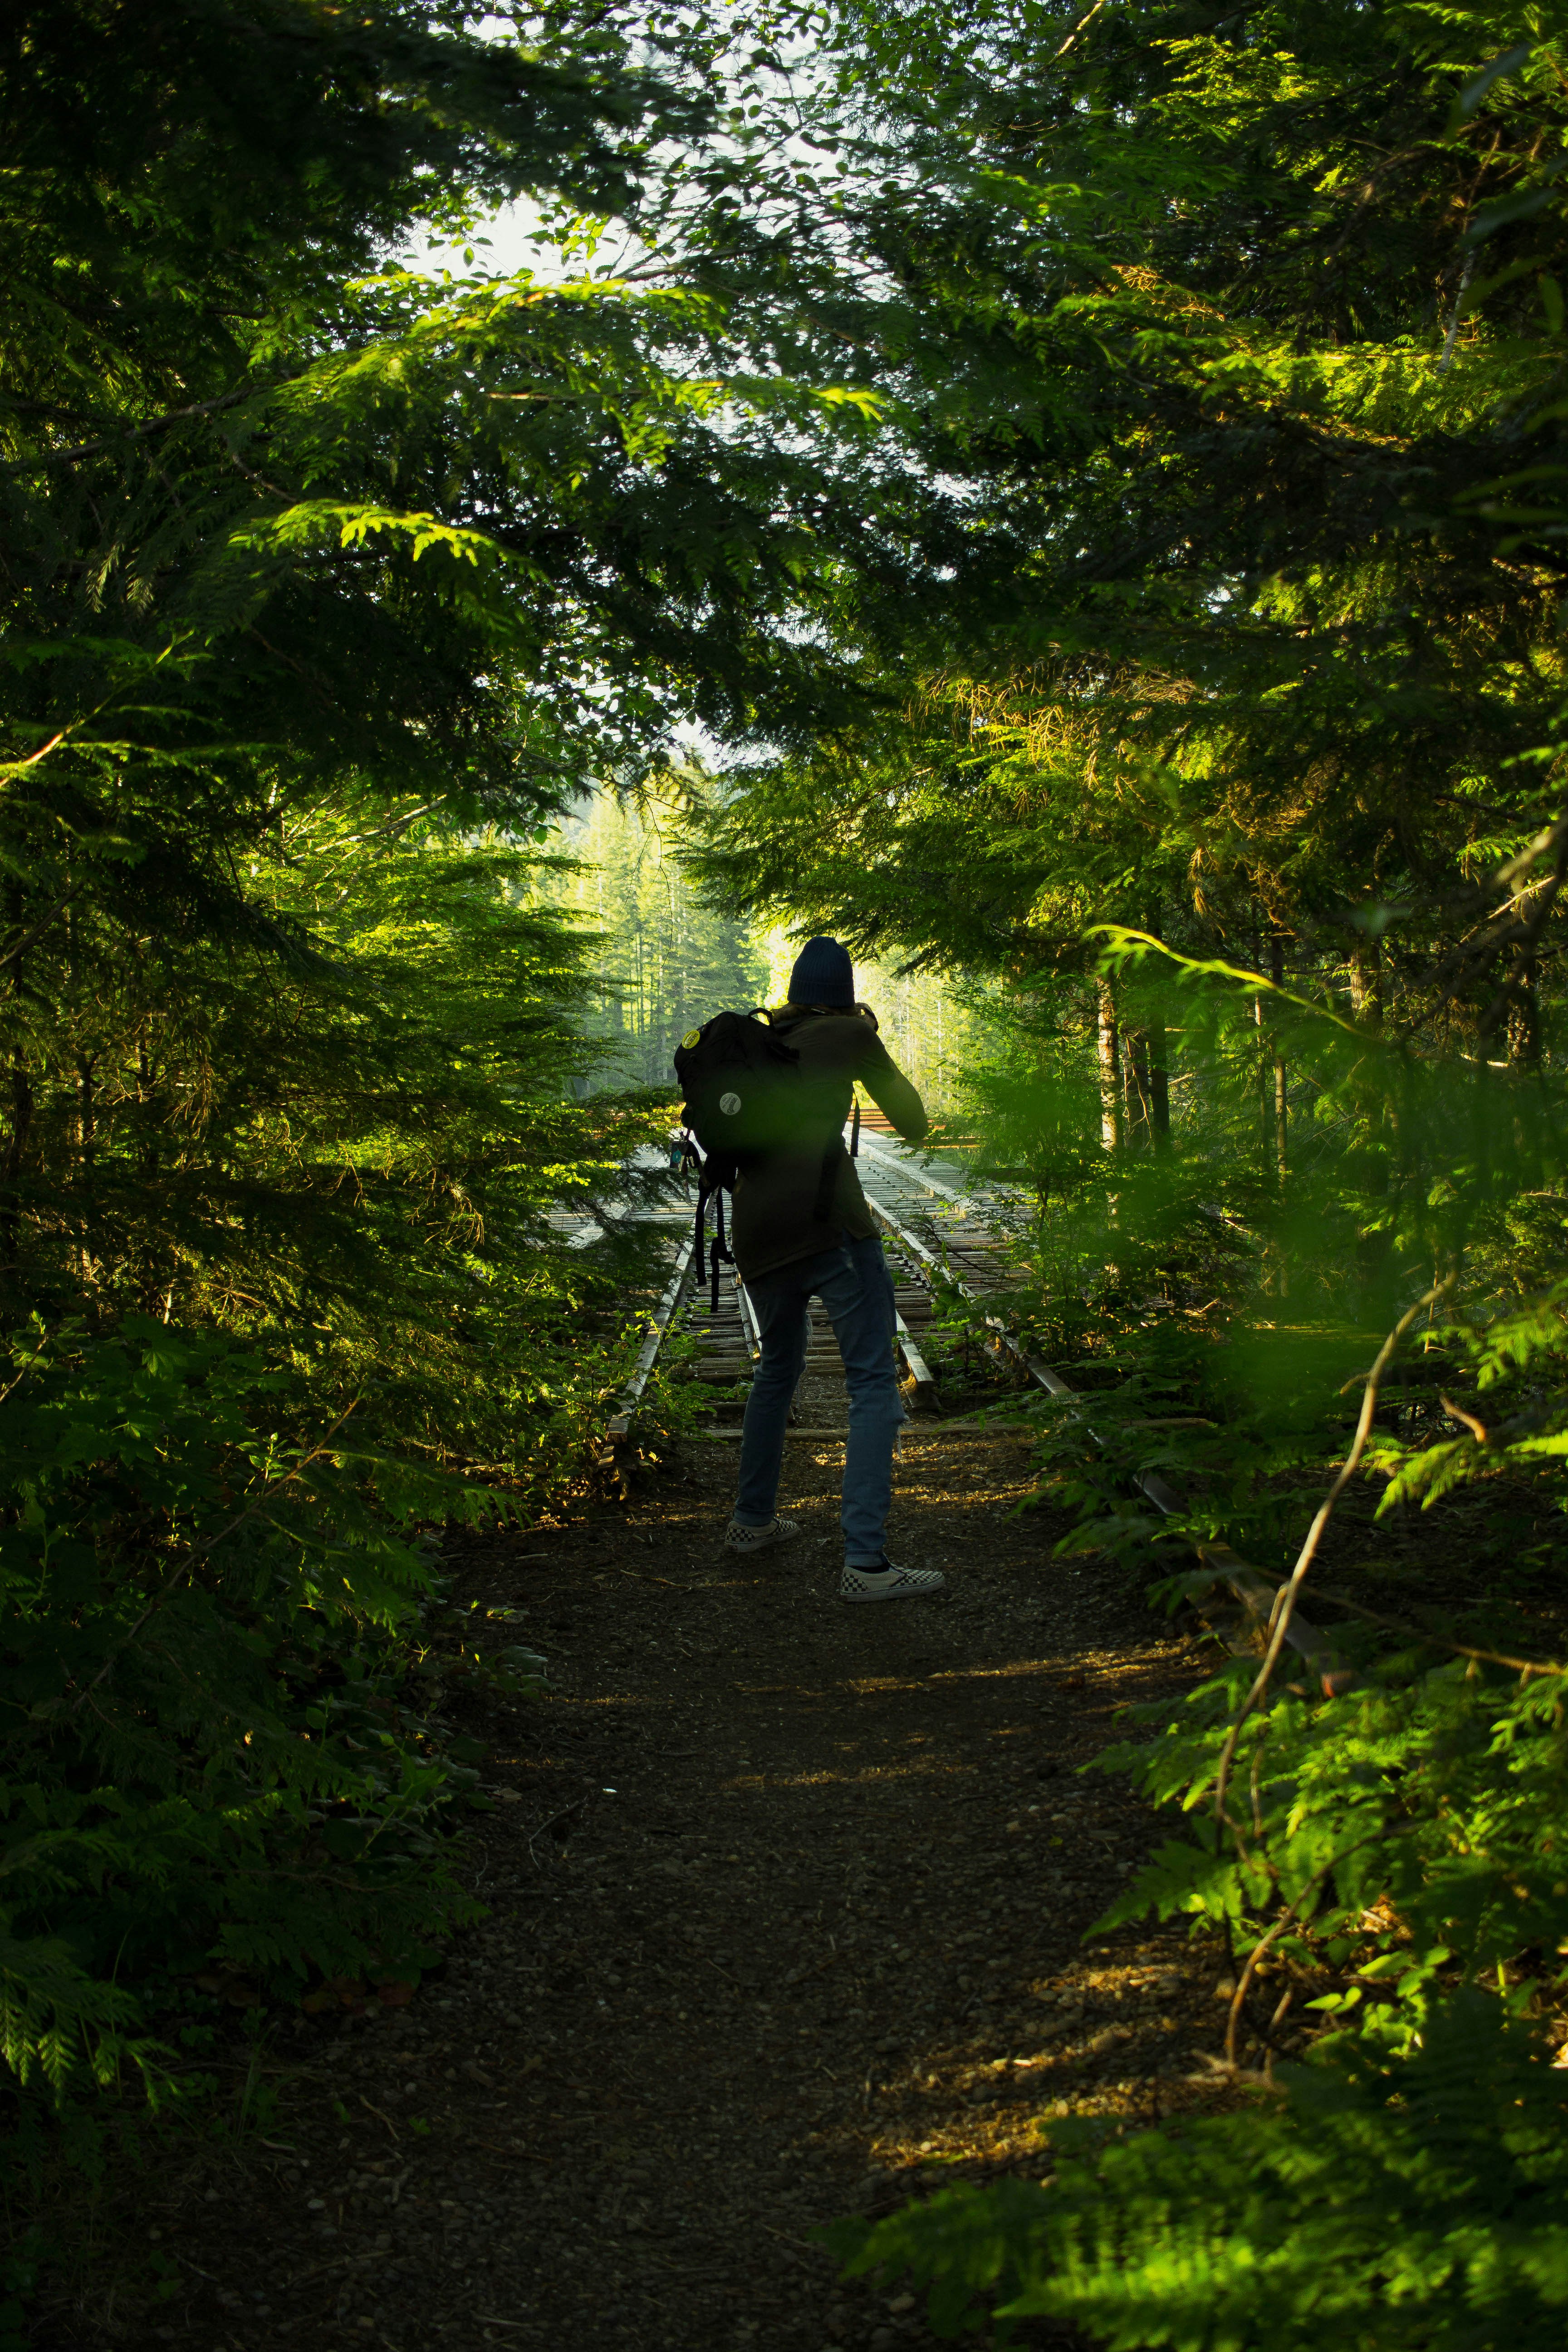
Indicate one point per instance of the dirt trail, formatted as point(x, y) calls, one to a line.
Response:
point(786, 1906)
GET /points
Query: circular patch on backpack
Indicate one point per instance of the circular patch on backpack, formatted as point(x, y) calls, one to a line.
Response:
point(692, 1037)
point(729, 1105)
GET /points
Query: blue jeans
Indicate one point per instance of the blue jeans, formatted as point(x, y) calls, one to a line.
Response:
point(853, 1285)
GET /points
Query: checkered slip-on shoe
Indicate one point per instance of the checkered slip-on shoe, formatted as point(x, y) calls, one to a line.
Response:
point(777, 1531)
point(890, 1582)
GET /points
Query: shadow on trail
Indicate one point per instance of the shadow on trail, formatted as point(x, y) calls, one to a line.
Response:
point(787, 1901)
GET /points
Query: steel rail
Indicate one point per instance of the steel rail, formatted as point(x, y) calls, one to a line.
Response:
point(630, 1397)
point(915, 1175)
point(1251, 1589)
point(751, 1330)
point(919, 1372)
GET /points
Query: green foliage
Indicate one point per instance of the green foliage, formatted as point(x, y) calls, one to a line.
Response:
point(326, 587)
point(1219, 1277)
point(1372, 1840)
point(353, 1157)
point(1230, 428)
point(1396, 2202)
point(1215, 612)
point(1518, 1362)
point(1116, 513)
point(1229, 642)
point(207, 1747)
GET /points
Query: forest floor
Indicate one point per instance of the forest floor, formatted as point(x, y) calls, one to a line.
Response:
point(787, 1906)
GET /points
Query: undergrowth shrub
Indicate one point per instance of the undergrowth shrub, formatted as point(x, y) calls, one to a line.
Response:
point(1380, 2201)
point(1368, 1847)
point(1385, 1865)
point(209, 1750)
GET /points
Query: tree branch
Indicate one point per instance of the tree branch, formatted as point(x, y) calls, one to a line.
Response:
point(1285, 1599)
point(137, 432)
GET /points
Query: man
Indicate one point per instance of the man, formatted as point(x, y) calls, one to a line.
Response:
point(787, 1254)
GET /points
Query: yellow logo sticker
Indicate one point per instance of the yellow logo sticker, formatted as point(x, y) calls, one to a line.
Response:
point(692, 1037)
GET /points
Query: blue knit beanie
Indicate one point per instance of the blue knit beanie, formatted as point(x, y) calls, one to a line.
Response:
point(823, 974)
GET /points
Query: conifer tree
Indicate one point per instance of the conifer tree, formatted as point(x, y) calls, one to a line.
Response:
point(324, 588)
point(664, 961)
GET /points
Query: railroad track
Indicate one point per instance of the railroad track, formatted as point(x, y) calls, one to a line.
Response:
point(935, 1227)
point(925, 1215)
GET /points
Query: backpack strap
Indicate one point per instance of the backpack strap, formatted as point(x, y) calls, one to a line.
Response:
point(719, 1248)
point(719, 1251)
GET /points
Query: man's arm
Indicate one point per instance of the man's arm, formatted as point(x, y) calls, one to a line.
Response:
point(891, 1091)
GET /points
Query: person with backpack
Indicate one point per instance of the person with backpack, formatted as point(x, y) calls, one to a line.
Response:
point(800, 1229)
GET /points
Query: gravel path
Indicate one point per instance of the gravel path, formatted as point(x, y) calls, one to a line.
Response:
point(787, 1902)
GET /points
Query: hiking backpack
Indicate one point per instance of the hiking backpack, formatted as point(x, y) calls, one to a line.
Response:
point(741, 1085)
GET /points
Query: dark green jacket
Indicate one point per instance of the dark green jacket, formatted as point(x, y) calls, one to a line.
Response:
point(774, 1222)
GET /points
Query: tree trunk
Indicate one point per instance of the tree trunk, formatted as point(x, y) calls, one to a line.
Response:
point(1109, 1072)
point(1158, 1086)
point(21, 1115)
point(1281, 1087)
point(1159, 1066)
point(1524, 1018)
point(86, 1108)
point(1367, 981)
point(16, 1152)
point(1375, 1260)
point(1142, 1089)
